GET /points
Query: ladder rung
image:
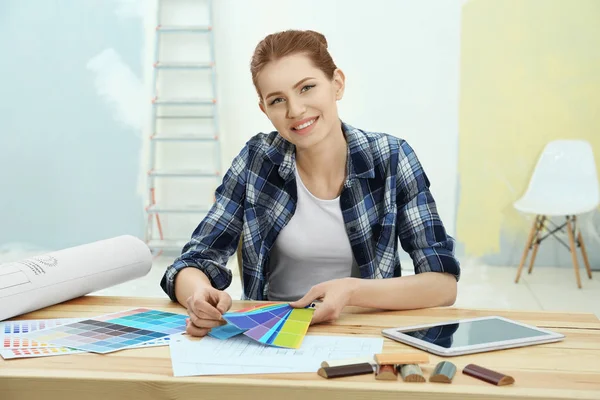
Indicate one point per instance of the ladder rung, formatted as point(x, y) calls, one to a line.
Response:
point(183, 65)
point(172, 244)
point(184, 28)
point(183, 101)
point(154, 209)
point(183, 173)
point(185, 137)
point(184, 117)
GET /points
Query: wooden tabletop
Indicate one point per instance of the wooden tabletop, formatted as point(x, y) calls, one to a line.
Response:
point(564, 370)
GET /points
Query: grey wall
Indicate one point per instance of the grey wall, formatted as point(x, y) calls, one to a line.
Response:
point(68, 167)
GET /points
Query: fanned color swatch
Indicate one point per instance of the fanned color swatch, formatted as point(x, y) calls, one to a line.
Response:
point(273, 324)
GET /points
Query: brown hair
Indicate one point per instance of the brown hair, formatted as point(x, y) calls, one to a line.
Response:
point(285, 43)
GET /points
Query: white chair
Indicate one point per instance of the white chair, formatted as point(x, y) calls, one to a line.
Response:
point(564, 183)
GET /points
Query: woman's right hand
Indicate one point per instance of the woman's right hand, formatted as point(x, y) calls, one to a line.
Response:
point(206, 307)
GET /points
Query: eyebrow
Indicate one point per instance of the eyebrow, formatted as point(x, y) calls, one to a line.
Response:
point(295, 86)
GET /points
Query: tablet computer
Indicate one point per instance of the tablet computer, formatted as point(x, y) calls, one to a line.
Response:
point(474, 335)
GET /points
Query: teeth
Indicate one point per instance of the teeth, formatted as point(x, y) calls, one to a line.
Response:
point(306, 124)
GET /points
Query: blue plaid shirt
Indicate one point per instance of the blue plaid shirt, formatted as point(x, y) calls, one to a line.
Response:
point(385, 197)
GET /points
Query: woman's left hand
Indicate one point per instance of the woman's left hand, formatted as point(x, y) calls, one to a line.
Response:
point(334, 296)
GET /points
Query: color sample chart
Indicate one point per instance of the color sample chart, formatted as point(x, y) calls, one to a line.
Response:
point(18, 342)
point(8, 354)
point(12, 340)
point(113, 332)
point(277, 325)
point(29, 352)
point(30, 325)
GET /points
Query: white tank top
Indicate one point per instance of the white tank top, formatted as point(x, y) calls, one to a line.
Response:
point(312, 248)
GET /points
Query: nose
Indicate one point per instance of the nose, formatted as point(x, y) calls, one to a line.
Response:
point(295, 108)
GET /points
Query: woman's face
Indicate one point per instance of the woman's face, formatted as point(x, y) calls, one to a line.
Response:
point(300, 100)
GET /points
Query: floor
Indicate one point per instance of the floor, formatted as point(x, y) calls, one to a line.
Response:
point(481, 286)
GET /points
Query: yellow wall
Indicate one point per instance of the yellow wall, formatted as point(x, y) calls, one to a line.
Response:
point(530, 73)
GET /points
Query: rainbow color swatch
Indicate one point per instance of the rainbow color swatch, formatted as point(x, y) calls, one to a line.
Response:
point(273, 324)
point(113, 332)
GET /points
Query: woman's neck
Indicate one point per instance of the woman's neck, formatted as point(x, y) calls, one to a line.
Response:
point(323, 166)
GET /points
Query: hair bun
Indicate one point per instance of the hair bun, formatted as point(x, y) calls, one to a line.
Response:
point(320, 37)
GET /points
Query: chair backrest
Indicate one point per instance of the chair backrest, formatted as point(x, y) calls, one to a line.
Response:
point(566, 168)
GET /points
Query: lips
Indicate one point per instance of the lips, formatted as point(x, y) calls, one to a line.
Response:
point(303, 124)
point(304, 127)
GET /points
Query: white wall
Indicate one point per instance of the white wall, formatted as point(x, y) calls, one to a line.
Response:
point(401, 64)
point(69, 151)
point(400, 59)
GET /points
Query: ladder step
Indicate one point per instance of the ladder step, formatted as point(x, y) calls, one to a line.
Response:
point(187, 137)
point(171, 244)
point(183, 65)
point(183, 28)
point(183, 173)
point(154, 209)
point(183, 101)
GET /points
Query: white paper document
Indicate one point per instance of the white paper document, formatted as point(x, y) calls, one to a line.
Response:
point(242, 355)
point(52, 278)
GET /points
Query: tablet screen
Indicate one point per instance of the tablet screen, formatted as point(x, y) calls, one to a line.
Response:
point(472, 333)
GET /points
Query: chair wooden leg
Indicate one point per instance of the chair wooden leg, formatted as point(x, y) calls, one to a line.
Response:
point(527, 247)
point(586, 261)
point(537, 236)
point(573, 251)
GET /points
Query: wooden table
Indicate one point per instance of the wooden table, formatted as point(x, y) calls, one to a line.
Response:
point(564, 370)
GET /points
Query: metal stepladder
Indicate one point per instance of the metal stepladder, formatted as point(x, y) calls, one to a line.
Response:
point(195, 114)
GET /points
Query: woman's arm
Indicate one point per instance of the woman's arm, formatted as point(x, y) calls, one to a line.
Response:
point(188, 281)
point(428, 289)
point(420, 229)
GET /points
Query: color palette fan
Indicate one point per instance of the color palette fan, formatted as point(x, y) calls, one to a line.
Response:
point(113, 332)
point(273, 324)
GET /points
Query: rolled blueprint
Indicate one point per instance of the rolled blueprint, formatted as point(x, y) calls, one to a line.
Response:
point(52, 278)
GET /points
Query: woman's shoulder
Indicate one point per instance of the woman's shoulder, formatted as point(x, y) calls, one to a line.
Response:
point(263, 142)
point(381, 145)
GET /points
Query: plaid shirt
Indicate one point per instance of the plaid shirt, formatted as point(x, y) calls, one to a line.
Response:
point(385, 197)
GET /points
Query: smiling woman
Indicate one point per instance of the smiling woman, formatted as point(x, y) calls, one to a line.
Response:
point(321, 206)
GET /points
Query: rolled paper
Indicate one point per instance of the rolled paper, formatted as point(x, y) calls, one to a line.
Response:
point(347, 361)
point(443, 372)
point(52, 278)
point(401, 358)
point(386, 373)
point(487, 375)
point(345, 370)
point(411, 373)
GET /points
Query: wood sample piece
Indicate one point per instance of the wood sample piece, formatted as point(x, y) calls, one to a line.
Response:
point(401, 358)
point(443, 372)
point(487, 375)
point(386, 373)
point(411, 373)
point(345, 370)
